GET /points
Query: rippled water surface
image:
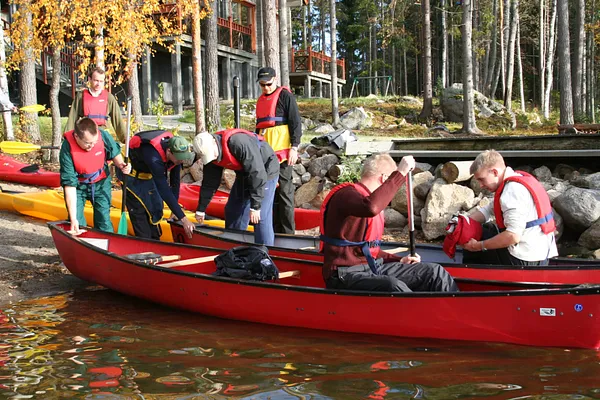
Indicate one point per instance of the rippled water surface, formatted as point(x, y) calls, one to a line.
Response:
point(102, 345)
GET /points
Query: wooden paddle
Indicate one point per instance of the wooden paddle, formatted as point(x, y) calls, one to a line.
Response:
point(189, 261)
point(11, 147)
point(122, 230)
point(411, 217)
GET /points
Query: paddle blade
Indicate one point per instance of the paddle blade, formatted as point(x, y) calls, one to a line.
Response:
point(122, 230)
point(18, 147)
point(33, 108)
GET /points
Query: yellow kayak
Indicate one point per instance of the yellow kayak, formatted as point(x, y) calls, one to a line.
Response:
point(49, 205)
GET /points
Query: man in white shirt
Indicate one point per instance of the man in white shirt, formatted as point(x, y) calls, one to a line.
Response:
point(523, 215)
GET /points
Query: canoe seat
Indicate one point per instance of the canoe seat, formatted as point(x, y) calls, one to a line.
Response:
point(289, 274)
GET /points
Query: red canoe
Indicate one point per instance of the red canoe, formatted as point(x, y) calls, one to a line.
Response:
point(482, 311)
point(12, 170)
point(561, 270)
point(188, 197)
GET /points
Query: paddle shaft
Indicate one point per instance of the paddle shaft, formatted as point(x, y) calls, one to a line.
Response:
point(126, 160)
point(411, 219)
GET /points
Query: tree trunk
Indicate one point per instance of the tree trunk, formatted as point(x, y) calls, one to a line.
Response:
point(271, 36)
point(284, 52)
point(99, 47)
point(54, 104)
point(29, 121)
point(260, 45)
point(334, 81)
point(542, 60)
point(469, 124)
point(133, 86)
point(493, 52)
point(405, 76)
point(444, 68)
point(578, 62)
point(564, 61)
point(6, 115)
point(504, 19)
point(550, 60)
point(211, 69)
point(592, 80)
point(427, 73)
point(511, 54)
point(197, 69)
point(304, 27)
point(520, 67)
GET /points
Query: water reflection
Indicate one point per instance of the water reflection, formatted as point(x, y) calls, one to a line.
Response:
point(101, 345)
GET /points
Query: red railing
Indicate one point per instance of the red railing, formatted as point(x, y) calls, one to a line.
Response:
point(68, 67)
point(310, 60)
point(238, 36)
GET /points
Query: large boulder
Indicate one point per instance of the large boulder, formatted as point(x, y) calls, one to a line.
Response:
point(580, 208)
point(485, 108)
point(356, 118)
point(443, 201)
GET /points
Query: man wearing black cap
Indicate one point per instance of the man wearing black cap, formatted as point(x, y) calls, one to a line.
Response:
point(278, 120)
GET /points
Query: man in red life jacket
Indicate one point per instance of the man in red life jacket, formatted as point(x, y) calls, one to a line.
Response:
point(155, 157)
point(84, 173)
point(256, 169)
point(96, 103)
point(278, 120)
point(351, 229)
point(523, 215)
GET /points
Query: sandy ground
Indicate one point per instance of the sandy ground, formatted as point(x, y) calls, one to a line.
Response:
point(29, 263)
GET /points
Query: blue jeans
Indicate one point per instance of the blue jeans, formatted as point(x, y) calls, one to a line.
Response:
point(237, 211)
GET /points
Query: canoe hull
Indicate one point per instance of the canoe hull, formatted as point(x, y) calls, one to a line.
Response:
point(188, 197)
point(557, 317)
point(10, 170)
point(566, 271)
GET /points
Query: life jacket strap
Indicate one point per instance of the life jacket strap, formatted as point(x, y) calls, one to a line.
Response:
point(364, 246)
point(546, 218)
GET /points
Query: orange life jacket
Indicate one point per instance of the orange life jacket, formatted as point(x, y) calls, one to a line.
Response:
point(370, 244)
point(266, 105)
point(540, 198)
point(96, 108)
point(89, 165)
point(227, 159)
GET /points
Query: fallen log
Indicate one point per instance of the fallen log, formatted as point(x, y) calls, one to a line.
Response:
point(456, 171)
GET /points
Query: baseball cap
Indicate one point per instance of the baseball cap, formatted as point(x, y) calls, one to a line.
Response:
point(180, 148)
point(205, 145)
point(265, 74)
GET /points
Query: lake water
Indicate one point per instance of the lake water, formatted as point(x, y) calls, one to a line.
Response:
point(103, 345)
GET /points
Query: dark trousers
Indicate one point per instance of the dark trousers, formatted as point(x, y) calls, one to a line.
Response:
point(496, 256)
point(394, 277)
point(283, 207)
point(140, 220)
point(237, 211)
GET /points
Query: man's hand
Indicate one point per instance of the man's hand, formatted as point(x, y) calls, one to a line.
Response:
point(293, 156)
point(75, 228)
point(473, 245)
point(254, 216)
point(200, 216)
point(406, 165)
point(188, 227)
point(125, 169)
point(411, 259)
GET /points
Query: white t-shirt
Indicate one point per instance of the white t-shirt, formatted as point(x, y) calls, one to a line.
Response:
point(518, 208)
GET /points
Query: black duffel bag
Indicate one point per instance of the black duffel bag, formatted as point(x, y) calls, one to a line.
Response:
point(247, 262)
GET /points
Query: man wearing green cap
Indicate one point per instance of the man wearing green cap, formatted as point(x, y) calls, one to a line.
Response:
point(154, 155)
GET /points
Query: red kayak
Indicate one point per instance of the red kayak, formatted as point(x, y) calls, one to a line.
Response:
point(188, 197)
point(12, 170)
point(560, 271)
point(488, 311)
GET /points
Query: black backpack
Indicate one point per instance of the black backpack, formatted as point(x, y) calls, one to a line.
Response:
point(247, 262)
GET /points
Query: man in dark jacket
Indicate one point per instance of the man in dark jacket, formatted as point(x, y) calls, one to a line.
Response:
point(256, 168)
point(154, 155)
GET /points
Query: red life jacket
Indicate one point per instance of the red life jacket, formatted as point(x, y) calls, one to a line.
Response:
point(540, 199)
point(154, 138)
point(266, 105)
point(370, 243)
point(227, 159)
point(96, 108)
point(89, 165)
